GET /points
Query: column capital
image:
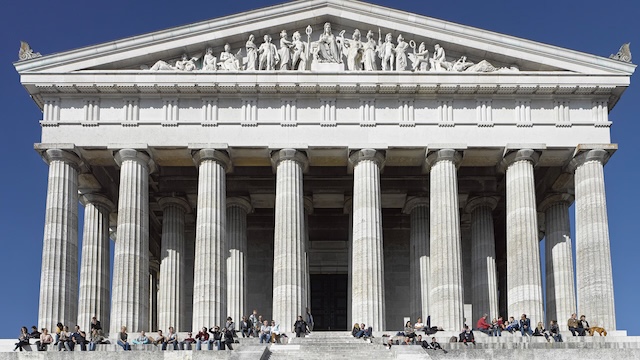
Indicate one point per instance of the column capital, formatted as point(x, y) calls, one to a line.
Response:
point(308, 205)
point(476, 202)
point(413, 202)
point(241, 202)
point(599, 155)
point(452, 155)
point(66, 156)
point(290, 154)
point(141, 157)
point(514, 156)
point(377, 156)
point(165, 202)
point(219, 156)
point(555, 198)
point(98, 200)
point(347, 208)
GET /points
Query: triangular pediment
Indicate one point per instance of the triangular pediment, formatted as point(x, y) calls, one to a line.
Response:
point(501, 51)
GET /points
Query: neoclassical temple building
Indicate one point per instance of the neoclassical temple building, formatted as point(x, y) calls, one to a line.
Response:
point(364, 162)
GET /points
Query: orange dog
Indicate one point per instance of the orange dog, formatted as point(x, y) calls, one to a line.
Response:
point(597, 329)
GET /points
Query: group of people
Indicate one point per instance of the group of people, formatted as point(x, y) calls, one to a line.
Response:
point(220, 338)
point(578, 327)
point(497, 326)
point(63, 339)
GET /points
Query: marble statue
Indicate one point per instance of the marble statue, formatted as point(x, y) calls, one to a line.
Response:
point(285, 51)
point(228, 61)
point(268, 54)
point(26, 53)
point(460, 65)
point(624, 54)
point(209, 61)
point(369, 49)
point(328, 50)
point(436, 62)
point(420, 59)
point(252, 53)
point(299, 57)
point(184, 64)
point(353, 49)
point(401, 55)
point(386, 51)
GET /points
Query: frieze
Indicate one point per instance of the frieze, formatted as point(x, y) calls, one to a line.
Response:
point(329, 52)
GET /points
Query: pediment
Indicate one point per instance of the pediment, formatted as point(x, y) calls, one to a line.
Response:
point(502, 52)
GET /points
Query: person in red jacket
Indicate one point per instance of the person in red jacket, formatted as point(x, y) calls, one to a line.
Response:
point(484, 325)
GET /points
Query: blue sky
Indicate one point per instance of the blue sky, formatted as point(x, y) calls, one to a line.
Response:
point(53, 26)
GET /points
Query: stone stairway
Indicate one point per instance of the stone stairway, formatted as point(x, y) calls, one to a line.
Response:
point(329, 345)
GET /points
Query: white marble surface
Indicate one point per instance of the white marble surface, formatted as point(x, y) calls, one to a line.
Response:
point(524, 279)
point(210, 276)
point(484, 276)
point(172, 265)
point(367, 271)
point(561, 293)
point(419, 254)
point(130, 287)
point(237, 261)
point(95, 276)
point(289, 287)
point(594, 278)
point(446, 302)
point(59, 277)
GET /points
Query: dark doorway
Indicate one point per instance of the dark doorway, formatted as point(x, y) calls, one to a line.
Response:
point(329, 301)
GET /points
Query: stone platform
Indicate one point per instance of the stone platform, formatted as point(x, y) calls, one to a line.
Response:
point(340, 345)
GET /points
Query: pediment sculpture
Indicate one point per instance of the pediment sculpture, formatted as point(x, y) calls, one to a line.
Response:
point(330, 52)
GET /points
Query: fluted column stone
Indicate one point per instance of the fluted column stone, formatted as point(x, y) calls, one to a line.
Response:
point(593, 253)
point(446, 300)
point(59, 274)
point(95, 269)
point(524, 279)
point(210, 276)
point(237, 210)
point(130, 301)
point(368, 300)
point(418, 208)
point(484, 277)
point(172, 253)
point(289, 290)
point(561, 295)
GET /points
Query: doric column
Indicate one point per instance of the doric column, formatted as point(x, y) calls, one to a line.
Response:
point(446, 302)
point(210, 275)
point(95, 269)
point(368, 301)
point(561, 295)
point(130, 302)
point(593, 254)
point(484, 278)
point(524, 279)
point(237, 210)
point(418, 208)
point(59, 274)
point(289, 290)
point(172, 252)
point(348, 209)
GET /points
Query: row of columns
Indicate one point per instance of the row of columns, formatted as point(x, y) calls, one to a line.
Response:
point(219, 288)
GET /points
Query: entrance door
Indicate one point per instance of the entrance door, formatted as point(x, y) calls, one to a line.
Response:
point(329, 301)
